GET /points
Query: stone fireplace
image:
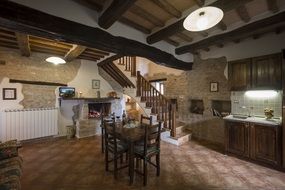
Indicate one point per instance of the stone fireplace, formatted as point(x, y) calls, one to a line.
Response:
point(85, 113)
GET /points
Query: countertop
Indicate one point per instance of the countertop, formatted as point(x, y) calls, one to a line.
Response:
point(261, 120)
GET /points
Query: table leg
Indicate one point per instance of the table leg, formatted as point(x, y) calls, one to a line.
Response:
point(131, 163)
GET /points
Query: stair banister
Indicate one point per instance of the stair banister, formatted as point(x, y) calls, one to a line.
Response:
point(161, 106)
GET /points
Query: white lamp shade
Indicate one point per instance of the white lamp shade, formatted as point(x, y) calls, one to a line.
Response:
point(55, 60)
point(203, 19)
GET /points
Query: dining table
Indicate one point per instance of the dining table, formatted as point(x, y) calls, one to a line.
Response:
point(130, 133)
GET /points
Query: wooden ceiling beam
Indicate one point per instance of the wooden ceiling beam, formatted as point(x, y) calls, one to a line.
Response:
point(257, 27)
point(48, 43)
point(20, 18)
point(42, 50)
point(221, 25)
point(184, 37)
point(272, 5)
point(90, 4)
point(171, 42)
point(243, 13)
point(96, 51)
point(114, 12)
point(177, 26)
point(134, 25)
point(74, 52)
point(23, 43)
point(168, 8)
point(146, 16)
point(200, 3)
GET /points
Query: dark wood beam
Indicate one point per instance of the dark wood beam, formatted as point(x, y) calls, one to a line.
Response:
point(146, 16)
point(134, 25)
point(272, 5)
point(221, 25)
point(258, 27)
point(90, 4)
point(168, 7)
point(171, 42)
point(114, 12)
point(27, 20)
point(37, 82)
point(74, 52)
point(23, 43)
point(200, 3)
point(184, 37)
point(220, 45)
point(203, 33)
point(177, 26)
point(243, 13)
point(109, 59)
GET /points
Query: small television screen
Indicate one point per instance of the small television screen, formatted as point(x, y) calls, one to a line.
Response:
point(67, 92)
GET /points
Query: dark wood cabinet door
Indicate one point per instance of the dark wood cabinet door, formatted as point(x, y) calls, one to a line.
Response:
point(265, 145)
point(266, 72)
point(237, 138)
point(239, 74)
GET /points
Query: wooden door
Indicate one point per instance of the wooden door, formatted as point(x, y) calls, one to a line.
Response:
point(266, 72)
point(265, 144)
point(239, 74)
point(237, 138)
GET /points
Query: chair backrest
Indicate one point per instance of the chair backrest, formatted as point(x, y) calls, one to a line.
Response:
point(110, 133)
point(146, 120)
point(152, 136)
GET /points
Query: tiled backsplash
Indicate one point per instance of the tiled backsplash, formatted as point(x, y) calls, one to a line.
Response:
point(241, 104)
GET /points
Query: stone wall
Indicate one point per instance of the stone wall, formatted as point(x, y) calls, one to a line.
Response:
point(35, 68)
point(195, 84)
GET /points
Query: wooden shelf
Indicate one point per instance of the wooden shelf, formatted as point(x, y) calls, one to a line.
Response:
point(104, 99)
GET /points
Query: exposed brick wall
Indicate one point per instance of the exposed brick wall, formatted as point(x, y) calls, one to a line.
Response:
point(195, 84)
point(35, 68)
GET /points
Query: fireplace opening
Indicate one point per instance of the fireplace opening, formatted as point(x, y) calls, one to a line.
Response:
point(197, 106)
point(221, 108)
point(96, 109)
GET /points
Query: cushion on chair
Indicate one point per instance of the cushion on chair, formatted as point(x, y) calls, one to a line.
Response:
point(140, 150)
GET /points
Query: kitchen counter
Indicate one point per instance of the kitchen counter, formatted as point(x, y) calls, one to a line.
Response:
point(260, 120)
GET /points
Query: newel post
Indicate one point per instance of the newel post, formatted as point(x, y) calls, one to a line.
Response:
point(138, 83)
point(173, 119)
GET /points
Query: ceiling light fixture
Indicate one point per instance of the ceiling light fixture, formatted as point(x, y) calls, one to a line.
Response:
point(55, 60)
point(261, 93)
point(203, 19)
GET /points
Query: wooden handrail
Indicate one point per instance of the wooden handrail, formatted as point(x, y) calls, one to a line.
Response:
point(160, 105)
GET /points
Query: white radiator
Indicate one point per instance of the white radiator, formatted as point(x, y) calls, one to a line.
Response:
point(28, 123)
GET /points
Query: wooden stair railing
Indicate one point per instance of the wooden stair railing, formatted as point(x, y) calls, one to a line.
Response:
point(130, 64)
point(160, 105)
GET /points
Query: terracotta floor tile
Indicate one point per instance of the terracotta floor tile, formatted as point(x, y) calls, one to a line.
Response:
point(79, 165)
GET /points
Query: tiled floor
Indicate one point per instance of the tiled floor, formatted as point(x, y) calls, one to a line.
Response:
point(79, 165)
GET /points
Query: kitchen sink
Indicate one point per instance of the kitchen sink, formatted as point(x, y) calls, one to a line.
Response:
point(240, 116)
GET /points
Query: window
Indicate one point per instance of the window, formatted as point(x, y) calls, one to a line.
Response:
point(159, 86)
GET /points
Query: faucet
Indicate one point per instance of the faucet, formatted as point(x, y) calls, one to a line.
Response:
point(248, 110)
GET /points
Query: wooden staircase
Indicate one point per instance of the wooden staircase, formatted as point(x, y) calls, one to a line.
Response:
point(150, 99)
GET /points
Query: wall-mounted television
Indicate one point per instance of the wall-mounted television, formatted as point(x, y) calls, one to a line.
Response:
point(67, 92)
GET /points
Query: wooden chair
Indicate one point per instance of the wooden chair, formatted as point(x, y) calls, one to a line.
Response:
point(150, 148)
point(113, 146)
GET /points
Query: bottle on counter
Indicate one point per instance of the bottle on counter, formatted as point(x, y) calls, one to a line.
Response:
point(124, 117)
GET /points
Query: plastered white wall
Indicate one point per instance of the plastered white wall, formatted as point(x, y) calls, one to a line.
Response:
point(83, 80)
point(155, 68)
point(268, 44)
point(10, 104)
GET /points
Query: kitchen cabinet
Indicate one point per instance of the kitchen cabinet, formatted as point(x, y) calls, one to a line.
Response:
point(237, 141)
point(239, 74)
point(258, 142)
point(265, 145)
point(264, 72)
